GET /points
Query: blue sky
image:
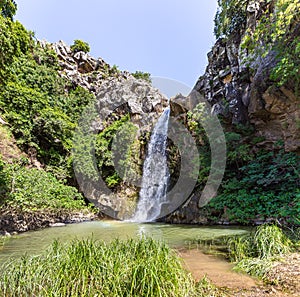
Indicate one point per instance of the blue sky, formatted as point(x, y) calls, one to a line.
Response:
point(168, 38)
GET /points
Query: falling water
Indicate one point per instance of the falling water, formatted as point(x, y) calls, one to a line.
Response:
point(155, 173)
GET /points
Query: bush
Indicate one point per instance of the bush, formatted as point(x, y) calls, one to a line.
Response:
point(42, 108)
point(264, 187)
point(8, 8)
point(230, 17)
point(110, 148)
point(277, 31)
point(33, 189)
point(80, 46)
point(14, 41)
point(142, 75)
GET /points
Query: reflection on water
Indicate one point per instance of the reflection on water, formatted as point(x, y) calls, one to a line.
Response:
point(175, 235)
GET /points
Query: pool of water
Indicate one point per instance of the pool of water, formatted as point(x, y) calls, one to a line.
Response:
point(34, 242)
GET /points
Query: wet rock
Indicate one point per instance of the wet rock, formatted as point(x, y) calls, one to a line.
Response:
point(57, 225)
point(5, 233)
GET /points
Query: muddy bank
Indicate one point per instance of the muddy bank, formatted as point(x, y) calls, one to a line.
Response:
point(283, 280)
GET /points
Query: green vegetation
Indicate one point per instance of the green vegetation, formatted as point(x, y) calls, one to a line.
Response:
point(42, 114)
point(114, 149)
point(42, 110)
point(258, 184)
point(206, 288)
point(8, 8)
point(14, 42)
point(93, 268)
point(278, 31)
point(142, 75)
point(80, 46)
point(264, 187)
point(255, 253)
point(30, 189)
point(230, 17)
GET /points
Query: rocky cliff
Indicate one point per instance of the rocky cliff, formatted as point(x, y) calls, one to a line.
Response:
point(117, 94)
point(239, 92)
point(244, 93)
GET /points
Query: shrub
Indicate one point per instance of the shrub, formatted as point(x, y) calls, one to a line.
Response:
point(230, 17)
point(8, 8)
point(33, 189)
point(142, 75)
point(277, 32)
point(80, 46)
point(14, 41)
point(42, 108)
point(264, 187)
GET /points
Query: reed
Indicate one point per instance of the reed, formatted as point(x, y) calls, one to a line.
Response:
point(264, 242)
point(255, 253)
point(141, 267)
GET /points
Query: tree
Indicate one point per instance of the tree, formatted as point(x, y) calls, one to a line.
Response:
point(8, 8)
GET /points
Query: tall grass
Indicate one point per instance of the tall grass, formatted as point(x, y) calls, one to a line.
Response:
point(266, 241)
point(254, 253)
point(94, 268)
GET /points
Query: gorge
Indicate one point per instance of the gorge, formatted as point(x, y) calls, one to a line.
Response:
point(259, 115)
point(81, 140)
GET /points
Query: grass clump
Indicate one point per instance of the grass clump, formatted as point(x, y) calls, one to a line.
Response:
point(142, 267)
point(255, 253)
point(206, 288)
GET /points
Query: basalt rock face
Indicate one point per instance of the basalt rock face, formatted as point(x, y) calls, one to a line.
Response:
point(144, 104)
point(242, 96)
point(117, 93)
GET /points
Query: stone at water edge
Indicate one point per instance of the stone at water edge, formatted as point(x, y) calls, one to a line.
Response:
point(57, 225)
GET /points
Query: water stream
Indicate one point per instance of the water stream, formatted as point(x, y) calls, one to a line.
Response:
point(155, 174)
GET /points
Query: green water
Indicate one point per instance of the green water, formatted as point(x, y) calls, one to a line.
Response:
point(175, 235)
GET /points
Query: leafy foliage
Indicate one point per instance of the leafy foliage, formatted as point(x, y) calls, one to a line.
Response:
point(32, 189)
point(3, 180)
point(230, 17)
point(14, 41)
point(114, 144)
point(278, 31)
point(42, 110)
point(142, 75)
point(80, 46)
point(8, 8)
point(41, 113)
point(265, 187)
point(257, 185)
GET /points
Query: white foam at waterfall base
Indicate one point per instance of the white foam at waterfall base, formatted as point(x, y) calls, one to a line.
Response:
point(155, 174)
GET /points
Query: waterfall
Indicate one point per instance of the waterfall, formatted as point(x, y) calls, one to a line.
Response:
point(155, 173)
